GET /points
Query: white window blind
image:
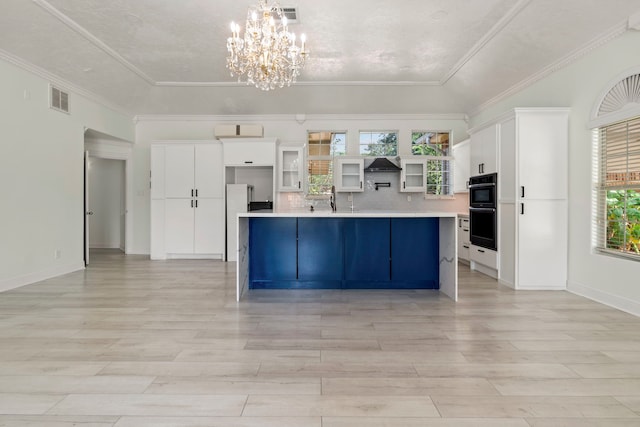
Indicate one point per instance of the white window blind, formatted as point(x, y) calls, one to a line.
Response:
point(618, 192)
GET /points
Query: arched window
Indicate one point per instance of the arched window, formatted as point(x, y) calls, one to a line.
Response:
point(617, 169)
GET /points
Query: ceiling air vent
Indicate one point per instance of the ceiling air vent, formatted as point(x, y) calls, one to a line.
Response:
point(59, 100)
point(290, 13)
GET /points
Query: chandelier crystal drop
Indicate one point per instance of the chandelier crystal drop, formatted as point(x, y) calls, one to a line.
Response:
point(267, 54)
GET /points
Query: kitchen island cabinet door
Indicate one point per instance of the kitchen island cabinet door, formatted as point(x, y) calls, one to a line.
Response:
point(320, 251)
point(367, 252)
point(272, 250)
point(415, 253)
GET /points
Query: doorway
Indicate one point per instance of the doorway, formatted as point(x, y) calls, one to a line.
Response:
point(108, 193)
point(107, 205)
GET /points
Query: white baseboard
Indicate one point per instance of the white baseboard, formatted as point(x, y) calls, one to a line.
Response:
point(615, 301)
point(27, 279)
point(105, 246)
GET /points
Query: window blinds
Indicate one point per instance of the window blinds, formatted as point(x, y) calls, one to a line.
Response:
point(619, 172)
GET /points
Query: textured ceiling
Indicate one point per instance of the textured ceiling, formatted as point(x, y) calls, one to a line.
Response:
point(367, 56)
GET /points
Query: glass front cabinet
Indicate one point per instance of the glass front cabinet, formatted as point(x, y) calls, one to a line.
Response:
point(412, 176)
point(349, 176)
point(291, 164)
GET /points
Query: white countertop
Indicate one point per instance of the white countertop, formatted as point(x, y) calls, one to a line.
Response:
point(348, 214)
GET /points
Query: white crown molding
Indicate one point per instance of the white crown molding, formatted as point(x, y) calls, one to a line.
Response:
point(92, 39)
point(62, 83)
point(480, 44)
point(606, 37)
point(302, 83)
point(292, 117)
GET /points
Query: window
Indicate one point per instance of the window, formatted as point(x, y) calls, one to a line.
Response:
point(322, 147)
point(618, 189)
point(435, 147)
point(379, 143)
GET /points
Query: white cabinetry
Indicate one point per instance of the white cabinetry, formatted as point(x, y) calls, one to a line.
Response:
point(461, 166)
point(349, 175)
point(248, 152)
point(413, 175)
point(463, 238)
point(532, 209)
point(187, 209)
point(290, 168)
point(484, 151)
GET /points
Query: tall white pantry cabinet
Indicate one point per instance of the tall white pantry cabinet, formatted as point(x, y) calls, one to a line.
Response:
point(187, 200)
point(532, 198)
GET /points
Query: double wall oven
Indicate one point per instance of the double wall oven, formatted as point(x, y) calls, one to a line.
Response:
point(483, 210)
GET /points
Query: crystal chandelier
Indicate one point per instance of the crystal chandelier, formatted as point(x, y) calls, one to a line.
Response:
point(267, 54)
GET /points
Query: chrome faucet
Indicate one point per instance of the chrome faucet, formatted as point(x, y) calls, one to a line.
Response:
point(332, 199)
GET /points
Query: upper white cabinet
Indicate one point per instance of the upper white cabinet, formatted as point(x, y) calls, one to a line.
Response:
point(290, 168)
point(461, 166)
point(187, 209)
point(193, 170)
point(249, 152)
point(532, 209)
point(413, 175)
point(349, 175)
point(484, 151)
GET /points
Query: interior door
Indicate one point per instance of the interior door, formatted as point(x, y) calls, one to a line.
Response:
point(87, 211)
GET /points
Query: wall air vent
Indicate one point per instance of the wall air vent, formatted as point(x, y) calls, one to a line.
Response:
point(58, 99)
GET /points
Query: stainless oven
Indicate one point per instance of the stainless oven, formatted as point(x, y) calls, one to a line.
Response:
point(483, 211)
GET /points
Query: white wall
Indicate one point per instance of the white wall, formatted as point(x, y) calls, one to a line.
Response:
point(106, 201)
point(578, 86)
point(288, 131)
point(41, 176)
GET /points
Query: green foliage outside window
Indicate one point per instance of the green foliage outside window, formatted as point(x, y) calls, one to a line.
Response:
point(379, 144)
point(438, 171)
point(623, 220)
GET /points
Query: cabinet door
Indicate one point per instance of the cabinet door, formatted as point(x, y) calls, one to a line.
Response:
point(179, 171)
point(484, 151)
point(415, 248)
point(157, 172)
point(349, 175)
point(542, 245)
point(290, 163)
point(367, 251)
point(461, 166)
point(242, 153)
point(209, 226)
point(208, 170)
point(463, 238)
point(543, 157)
point(178, 226)
point(320, 249)
point(272, 250)
point(413, 176)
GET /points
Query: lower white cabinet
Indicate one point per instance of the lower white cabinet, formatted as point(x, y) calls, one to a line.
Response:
point(192, 226)
point(484, 260)
point(463, 238)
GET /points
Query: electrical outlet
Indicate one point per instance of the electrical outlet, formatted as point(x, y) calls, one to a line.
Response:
point(57, 254)
point(408, 198)
point(350, 198)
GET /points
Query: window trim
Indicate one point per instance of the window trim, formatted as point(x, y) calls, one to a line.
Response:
point(449, 158)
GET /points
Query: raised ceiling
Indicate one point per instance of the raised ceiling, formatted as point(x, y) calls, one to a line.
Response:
point(367, 56)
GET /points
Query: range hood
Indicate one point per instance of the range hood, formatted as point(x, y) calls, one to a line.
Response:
point(382, 164)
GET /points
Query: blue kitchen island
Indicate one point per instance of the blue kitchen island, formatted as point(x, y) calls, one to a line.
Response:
point(328, 250)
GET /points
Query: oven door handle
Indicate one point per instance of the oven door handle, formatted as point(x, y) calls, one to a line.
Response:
point(482, 209)
point(486, 184)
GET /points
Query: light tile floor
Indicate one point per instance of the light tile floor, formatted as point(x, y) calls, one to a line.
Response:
point(131, 342)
